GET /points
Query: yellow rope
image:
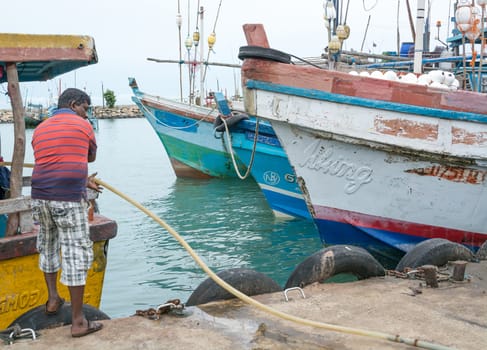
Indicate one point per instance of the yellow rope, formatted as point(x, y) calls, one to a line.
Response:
point(247, 299)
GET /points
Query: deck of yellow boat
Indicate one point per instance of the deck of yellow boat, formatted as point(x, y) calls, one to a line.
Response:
point(453, 315)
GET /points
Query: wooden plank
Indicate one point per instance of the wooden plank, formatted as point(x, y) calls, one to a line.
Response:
point(43, 57)
point(18, 246)
point(13, 205)
point(45, 47)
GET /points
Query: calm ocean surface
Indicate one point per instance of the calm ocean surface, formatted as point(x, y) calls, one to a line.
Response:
point(227, 222)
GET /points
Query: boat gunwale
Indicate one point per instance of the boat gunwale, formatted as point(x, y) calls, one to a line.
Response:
point(188, 111)
point(366, 102)
point(101, 229)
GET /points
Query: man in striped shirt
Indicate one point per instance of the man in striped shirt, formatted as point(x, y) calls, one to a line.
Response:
point(63, 145)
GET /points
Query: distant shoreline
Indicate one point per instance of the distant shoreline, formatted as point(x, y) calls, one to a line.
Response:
point(126, 111)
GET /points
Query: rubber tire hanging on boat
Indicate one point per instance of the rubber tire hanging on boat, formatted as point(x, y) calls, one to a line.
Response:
point(37, 319)
point(263, 53)
point(231, 121)
point(332, 261)
point(434, 251)
point(247, 281)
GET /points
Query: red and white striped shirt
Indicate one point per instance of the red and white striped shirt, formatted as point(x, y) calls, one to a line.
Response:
point(61, 146)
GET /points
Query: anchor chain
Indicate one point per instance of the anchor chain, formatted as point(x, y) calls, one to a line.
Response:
point(155, 313)
point(418, 274)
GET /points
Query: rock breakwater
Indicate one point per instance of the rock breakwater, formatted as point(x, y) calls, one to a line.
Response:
point(128, 111)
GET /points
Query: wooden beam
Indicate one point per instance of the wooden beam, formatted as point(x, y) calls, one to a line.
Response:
point(13, 205)
point(19, 144)
point(45, 47)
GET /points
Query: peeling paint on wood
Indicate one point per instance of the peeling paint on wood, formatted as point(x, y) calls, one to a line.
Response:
point(462, 136)
point(406, 128)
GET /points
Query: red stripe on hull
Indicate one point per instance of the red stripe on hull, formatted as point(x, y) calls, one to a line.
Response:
point(398, 226)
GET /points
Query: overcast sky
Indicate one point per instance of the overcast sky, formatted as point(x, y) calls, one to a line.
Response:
point(126, 33)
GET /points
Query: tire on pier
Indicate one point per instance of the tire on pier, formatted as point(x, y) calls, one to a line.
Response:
point(37, 319)
point(247, 281)
point(435, 251)
point(332, 261)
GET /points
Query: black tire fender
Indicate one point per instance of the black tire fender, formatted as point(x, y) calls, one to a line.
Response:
point(231, 121)
point(36, 318)
point(482, 252)
point(263, 53)
point(247, 281)
point(334, 260)
point(434, 251)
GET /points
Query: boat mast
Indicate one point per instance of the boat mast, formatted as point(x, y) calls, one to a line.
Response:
point(202, 56)
point(418, 42)
point(179, 21)
point(427, 33)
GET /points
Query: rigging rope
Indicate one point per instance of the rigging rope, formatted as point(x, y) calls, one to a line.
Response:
point(214, 30)
point(196, 43)
point(346, 13)
point(254, 147)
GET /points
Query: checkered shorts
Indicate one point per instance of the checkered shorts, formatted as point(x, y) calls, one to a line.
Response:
point(64, 227)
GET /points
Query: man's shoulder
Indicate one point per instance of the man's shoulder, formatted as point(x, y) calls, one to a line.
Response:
point(66, 116)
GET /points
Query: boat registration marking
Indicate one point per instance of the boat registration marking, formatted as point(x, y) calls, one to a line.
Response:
point(455, 174)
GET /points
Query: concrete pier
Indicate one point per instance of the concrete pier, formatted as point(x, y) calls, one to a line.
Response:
point(454, 315)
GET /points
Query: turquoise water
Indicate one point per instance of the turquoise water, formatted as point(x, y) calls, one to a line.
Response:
point(227, 222)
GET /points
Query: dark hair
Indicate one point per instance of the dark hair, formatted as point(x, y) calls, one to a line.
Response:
point(70, 95)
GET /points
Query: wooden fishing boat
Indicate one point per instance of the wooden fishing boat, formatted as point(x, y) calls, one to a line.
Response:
point(25, 57)
point(186, 132)
point(198, 147)
point(383, 164)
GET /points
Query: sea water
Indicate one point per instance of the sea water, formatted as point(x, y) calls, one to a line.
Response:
point(226, 221)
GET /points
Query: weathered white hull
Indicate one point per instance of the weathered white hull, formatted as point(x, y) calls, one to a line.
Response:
point(383, 164)
point(395, 188)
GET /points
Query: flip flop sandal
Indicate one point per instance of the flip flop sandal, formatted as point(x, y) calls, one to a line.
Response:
point(59, 305)
point(92, 328)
